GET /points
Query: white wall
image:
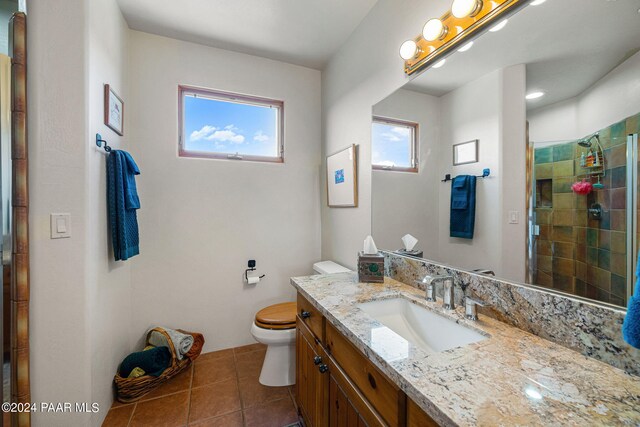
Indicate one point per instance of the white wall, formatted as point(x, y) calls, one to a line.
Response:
point(57, 126)
point(109, 301)
point(472, 112)
point(201, 220)
point(364, 71)
point(404, 202)
point(80, 300)
point(613, 98)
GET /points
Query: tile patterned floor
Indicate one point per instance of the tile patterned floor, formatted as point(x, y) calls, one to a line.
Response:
point(220, 389)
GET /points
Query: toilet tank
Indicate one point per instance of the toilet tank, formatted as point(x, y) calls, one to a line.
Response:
point(329, 267)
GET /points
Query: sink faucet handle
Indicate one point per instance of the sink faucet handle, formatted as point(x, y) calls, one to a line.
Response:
point(431, 292)
point(470, 307)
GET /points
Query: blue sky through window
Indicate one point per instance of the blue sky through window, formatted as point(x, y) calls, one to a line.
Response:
point(215, 126)
point(391, 145)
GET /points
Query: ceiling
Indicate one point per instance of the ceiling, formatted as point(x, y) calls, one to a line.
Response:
point(567, 46)
point(302, 32)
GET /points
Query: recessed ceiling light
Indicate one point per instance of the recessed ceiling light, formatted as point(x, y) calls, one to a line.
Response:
point(499, 26)
point(534, 95)
point(439, 63)
point(537, 2)
point(408, 49)
point(433, 30)
point(466, 47)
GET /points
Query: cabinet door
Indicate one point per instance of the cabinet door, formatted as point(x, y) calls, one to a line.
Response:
point(312, 380)
point(347, 406)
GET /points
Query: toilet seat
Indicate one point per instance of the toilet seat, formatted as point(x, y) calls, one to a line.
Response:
point(277, 316)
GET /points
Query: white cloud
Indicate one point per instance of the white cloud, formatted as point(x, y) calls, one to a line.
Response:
point(211, 133)
point(390, 137)
point(202, 133)
point(401, 130)
point(226, 136)
point(260, 137)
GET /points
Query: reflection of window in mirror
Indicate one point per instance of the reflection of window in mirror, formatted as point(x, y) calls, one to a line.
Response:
point(465, 152)
point(394, 145)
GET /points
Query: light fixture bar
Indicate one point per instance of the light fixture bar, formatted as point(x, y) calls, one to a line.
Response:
point(457, 32)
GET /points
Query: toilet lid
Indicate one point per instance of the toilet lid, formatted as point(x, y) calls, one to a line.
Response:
point(277, 315)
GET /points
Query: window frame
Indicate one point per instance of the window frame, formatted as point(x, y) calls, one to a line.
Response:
point(414, 145)
point(218, 95)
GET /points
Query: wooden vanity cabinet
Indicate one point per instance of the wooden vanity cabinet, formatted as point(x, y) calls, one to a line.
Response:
point(311, 382)
point(338, 386)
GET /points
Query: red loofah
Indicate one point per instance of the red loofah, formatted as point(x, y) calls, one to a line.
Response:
point(583, 187)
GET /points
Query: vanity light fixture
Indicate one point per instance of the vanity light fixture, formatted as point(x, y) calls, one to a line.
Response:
point(455, 29)
point(464, 8)
point(408, 49)
point(434, 29)
point(499, 26)
point(439, 63)
point(466, 47)
point(534, 95)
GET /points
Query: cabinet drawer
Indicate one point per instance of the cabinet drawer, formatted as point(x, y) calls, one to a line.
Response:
point(416, 417)
point(386, 397)
point(311, 317)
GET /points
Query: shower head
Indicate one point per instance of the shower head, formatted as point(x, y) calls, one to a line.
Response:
point(587, 142)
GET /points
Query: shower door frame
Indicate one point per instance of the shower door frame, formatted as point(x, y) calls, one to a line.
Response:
point(632, 211)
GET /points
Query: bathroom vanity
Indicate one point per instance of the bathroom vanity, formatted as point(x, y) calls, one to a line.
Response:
point(367, 355)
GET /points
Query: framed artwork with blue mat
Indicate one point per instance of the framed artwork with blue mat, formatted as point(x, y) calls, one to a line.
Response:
point(342, 179)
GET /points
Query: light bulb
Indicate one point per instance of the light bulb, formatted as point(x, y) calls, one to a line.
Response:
point(464, 8)
point(534, 95)
point(408, 49)
point(439, 63)
point(499, 26)
point(434, 29)
point(466, 47)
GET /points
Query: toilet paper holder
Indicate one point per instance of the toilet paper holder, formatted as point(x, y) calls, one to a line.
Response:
point(251, 267)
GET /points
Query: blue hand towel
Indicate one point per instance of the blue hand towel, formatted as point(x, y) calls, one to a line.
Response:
point(631, 325)
point(122, 198)
point(463, 207)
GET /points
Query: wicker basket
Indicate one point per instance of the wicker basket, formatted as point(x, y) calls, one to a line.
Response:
point(132, 389)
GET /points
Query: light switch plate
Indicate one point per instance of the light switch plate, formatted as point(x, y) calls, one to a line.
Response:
point(514, 217)
point(60, 225)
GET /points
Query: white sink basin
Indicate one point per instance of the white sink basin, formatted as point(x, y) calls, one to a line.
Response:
point(419, 326)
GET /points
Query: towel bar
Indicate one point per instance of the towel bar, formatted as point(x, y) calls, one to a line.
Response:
point(99, 142)
point(485, 173)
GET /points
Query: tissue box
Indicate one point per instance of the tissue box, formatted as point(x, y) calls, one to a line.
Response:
point(370, 268)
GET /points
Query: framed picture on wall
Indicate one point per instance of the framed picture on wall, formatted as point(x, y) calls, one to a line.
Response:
point(465, 152)
point(113, 110)
point(342, 179)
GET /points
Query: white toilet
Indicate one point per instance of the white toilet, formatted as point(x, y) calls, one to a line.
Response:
point(275, 326)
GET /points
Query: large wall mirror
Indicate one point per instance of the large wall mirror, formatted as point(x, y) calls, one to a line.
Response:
point(559, 209)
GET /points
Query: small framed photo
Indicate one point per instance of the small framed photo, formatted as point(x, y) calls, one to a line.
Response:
point(465, 152)
point(342, 179)
point(113, 110)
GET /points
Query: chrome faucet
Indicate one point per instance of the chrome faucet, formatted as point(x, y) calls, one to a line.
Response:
point(470, 308)
point(448, 300)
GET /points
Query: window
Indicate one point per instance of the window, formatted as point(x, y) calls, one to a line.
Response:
point(223, 125)
point(394, 145)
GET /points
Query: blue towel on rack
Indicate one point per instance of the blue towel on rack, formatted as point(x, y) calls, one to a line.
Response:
point(463, 206)
point(631, 325)
point(123, 201)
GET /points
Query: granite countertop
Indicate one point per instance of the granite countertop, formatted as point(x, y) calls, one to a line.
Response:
point(510, 378)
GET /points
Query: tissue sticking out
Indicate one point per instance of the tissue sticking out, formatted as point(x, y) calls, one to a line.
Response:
point(409, 242)
point(370, 247)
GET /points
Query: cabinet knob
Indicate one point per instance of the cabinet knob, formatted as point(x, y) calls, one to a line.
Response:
point(305, 314)
point(317, 360)
point(323, 368)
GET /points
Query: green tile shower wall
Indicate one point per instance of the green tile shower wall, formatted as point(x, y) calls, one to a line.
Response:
point(575, 253)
